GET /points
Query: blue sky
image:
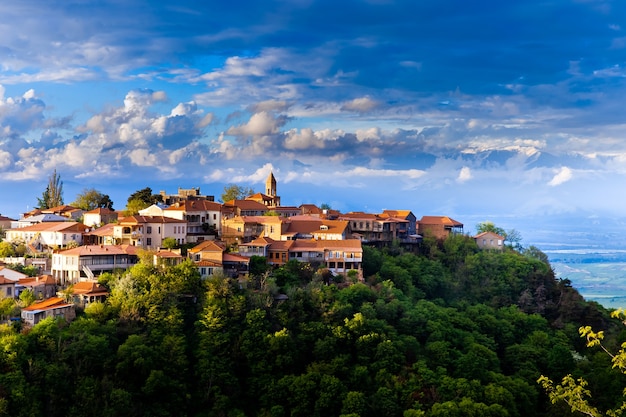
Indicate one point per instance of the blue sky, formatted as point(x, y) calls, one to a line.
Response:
point(511, 111)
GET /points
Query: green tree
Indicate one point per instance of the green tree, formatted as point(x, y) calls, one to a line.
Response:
point(146, 196)
point(134, 206)
point(490, 227)
point(27, 297)
point(235, 192)
point(53, 194)
point(90, 199)
point(169, 243)
point(6, 250)
point(573, 391)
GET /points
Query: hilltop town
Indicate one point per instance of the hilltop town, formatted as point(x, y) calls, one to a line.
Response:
point(70, 248)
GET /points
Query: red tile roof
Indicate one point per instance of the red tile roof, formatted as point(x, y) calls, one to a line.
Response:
point(53, 302)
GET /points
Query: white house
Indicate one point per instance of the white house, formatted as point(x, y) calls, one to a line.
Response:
point(47, 234)
point(204, 218)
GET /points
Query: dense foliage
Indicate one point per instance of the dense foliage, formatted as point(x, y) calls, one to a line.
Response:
point(449, 331)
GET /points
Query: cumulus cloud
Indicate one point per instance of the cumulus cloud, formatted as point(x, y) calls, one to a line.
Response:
point(562, 176)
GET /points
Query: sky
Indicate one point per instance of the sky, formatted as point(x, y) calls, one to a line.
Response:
point(512, 112)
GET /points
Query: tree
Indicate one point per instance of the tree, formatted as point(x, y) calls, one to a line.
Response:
point(574, 391)
point(6, 250)
point(146, 196)
point(236, 192)
point(169, 243)
point(53, 194)
point(90, 199)
point(490, 227)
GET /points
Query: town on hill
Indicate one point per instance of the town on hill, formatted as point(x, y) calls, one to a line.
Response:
point(70, 246)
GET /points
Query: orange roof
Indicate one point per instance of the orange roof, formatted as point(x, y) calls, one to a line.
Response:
point(247, 205)
point(208, 246)
point(444, 220)
point(168, 254)
point(281, 245)
point(195, 205)
point(89, 288)
point(204, 262)
point(488, 233)
point(4, 281)
point(139, 219)
point(53, 302)
point(358, 215)
point(60, 209)
point(260, 241)
point(106, 230)
point(101, 210)
point(37, 281)
point(88, 250)
point(231, 257)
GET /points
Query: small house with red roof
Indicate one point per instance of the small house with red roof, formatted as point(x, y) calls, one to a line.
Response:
point(86, 292)
point(439, 227)
point(489, 241)
point(52, 307)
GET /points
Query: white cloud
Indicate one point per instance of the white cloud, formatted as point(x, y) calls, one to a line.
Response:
point(361, 105)
point(464, 175)
point(259, 124)
point(562, 176)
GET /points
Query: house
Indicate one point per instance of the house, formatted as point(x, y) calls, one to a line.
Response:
point(204, 218)
point(489, 240)
point(84, 262)
point(52, 307)
point(287, 211)
point(244, 208)
point(7, 288)
point(275, 251)
point(311, 210)
point(69, 212)
point(11, 274)
point(156, 209)
point(210, 257)
point(408, 226)
point(439, 227)
point(98, 217)
point(40, 218)
point(167, 258)
point(86, 292)
point(310, 227)
point(47, 235)
point(6, 222)
point(103, 235)
point(148, 232)
point(42, 286)
point(242, 229)
point(339, 256)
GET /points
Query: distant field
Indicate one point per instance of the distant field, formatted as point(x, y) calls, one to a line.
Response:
point(599, 277)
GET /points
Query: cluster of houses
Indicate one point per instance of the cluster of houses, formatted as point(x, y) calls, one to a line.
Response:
point(220, 237)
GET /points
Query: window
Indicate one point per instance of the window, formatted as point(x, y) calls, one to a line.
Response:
point(149, 229)
point(149, 241)
point(202, 271)
point(214, 216)
point(9, 292)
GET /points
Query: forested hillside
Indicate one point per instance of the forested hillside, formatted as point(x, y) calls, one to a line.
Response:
point(449, 331)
